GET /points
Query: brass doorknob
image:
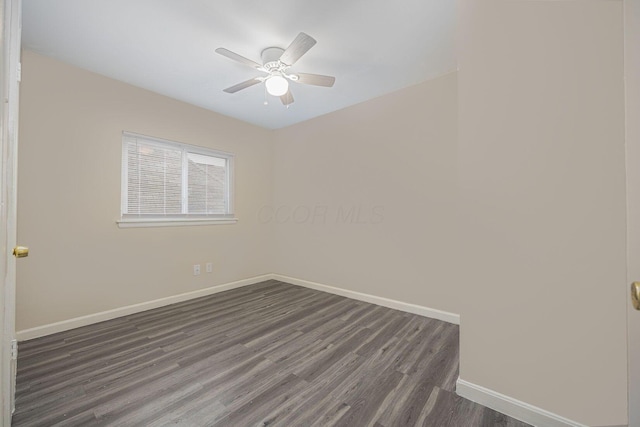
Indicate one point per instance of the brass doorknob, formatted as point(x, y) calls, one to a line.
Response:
point(635, 295)
point(20, 251)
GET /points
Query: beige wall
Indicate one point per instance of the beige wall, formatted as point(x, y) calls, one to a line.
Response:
point(342, 213)
point(69, 197)
point(389, 163)
point(542, 204)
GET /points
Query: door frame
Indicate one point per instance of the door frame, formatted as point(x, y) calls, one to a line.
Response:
point(11, 21)
point(632, 141)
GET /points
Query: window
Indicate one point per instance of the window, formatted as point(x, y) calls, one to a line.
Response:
point(168, 183)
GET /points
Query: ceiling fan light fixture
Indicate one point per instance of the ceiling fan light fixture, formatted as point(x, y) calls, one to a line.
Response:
point(277, 85)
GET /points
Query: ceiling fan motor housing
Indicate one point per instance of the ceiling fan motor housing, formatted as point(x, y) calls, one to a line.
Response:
point(271, 59)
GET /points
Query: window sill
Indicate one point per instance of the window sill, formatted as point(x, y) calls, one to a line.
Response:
point(181, 222)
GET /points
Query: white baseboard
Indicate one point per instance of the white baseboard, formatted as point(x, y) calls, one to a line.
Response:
point(77, 322)
point(489, 398)
point(512, 407)
point(385, 302)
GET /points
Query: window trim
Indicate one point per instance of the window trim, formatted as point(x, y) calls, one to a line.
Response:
point(169, 222)
point(184, 219)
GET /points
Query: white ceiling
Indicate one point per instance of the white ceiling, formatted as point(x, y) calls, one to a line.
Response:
point(372, 47)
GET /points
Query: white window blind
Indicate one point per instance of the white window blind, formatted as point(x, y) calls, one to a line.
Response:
point(169, 180)
point(207, 183)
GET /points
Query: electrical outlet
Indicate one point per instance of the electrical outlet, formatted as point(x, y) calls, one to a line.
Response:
point(209, 267)
point(196, 269)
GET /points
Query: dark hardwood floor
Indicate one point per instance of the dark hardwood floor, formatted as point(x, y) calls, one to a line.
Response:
point(268, 354)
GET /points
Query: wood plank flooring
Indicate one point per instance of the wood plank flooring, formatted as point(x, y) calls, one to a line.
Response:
point(270, 354)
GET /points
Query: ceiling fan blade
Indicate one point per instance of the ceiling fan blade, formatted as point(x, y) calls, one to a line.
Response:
point(243, 85)
point(232, 55)
point(287, 98)
point(302, 43)
point(316, 79)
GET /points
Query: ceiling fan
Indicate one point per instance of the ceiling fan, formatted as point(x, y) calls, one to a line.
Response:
point(276, 63)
